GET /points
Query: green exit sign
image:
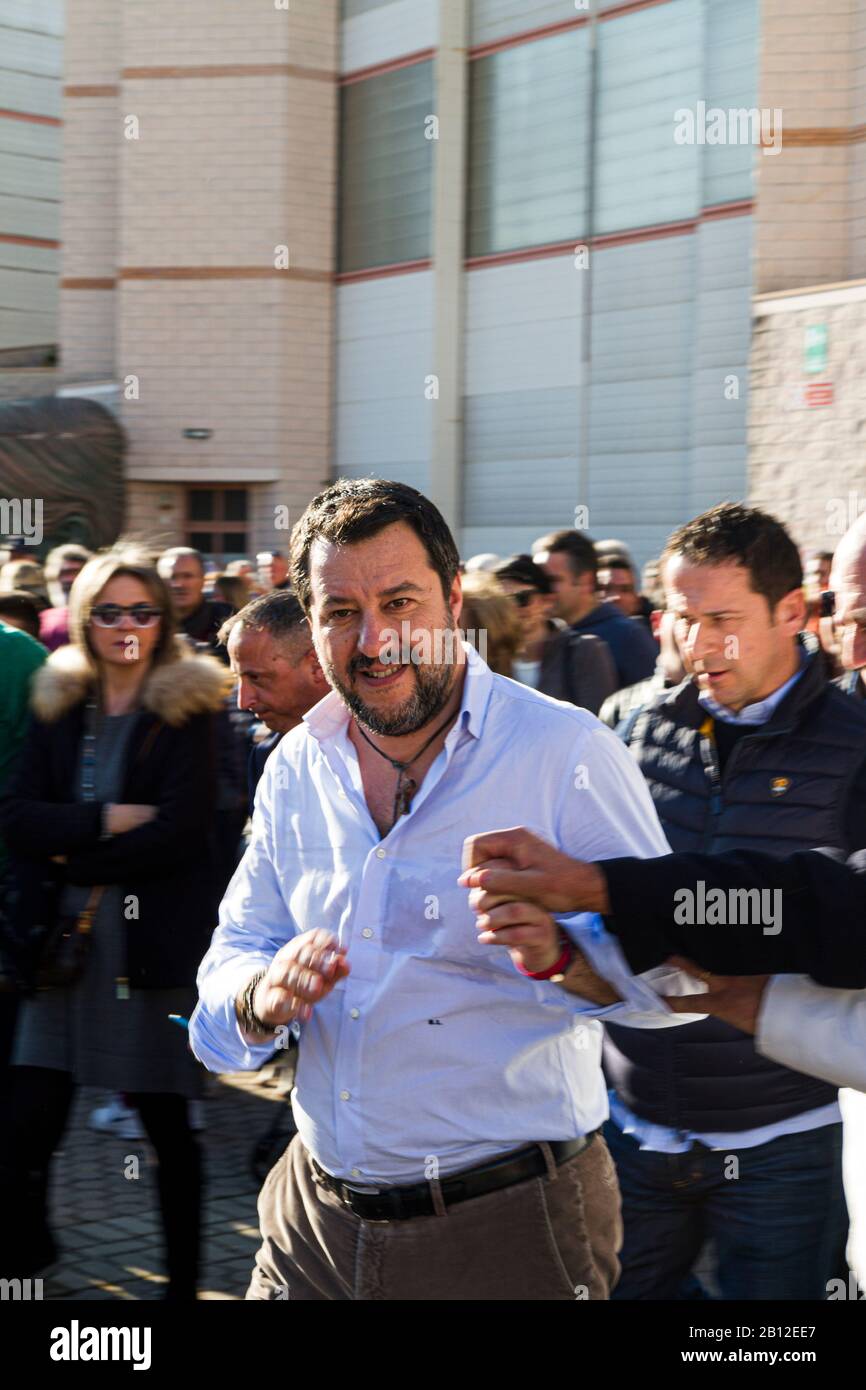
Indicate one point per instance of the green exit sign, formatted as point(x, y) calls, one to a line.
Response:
point(816, 348)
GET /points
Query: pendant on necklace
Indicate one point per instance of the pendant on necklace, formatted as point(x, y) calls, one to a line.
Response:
point(404, 796)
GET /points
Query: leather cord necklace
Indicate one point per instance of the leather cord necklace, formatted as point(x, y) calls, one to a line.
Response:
point(406, 786)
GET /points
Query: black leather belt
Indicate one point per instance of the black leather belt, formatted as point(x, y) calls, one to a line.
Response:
point(402, 1203)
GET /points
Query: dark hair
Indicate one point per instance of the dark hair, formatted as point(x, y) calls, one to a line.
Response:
point(17, 603)
point(278, 613)
point(578, 547)
point(354, 509)
point(732, 533)
point(522, 569)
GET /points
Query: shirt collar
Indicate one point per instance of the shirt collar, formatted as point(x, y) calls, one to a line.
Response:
point(330, 716)
point(761, 710)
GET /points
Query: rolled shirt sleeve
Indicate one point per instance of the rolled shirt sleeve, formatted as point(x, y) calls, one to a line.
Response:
point(254, 922)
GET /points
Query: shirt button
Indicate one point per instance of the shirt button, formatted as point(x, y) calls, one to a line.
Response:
point(345, 1095)
point(380, 854)
point(355, 1013)
point(356, 1172)
point(368, 932)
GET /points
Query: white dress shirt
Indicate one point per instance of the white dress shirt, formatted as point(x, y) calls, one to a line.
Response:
point(434, 1047)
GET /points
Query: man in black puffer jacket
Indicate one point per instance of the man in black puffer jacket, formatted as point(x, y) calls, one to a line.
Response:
point(755, 750)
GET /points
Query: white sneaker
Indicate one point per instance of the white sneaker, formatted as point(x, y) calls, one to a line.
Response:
point(117, 1118)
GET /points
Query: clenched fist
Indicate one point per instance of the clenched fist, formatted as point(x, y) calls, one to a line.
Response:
point(301, 974)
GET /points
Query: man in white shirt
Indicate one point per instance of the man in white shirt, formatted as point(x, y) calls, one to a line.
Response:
point(434, 1078)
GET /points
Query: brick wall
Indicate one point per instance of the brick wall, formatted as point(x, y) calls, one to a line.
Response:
point(811, 197)
point(229, 166)
point(805, 463)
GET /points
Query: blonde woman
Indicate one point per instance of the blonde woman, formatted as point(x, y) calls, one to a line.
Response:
point(488, 620)
point(115, 781)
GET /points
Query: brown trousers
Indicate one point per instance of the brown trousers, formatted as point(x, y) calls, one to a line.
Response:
point(554, 1237)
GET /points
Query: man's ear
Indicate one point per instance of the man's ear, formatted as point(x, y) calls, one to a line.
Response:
point(791, 610)
point(314, 670)
point(455, 598)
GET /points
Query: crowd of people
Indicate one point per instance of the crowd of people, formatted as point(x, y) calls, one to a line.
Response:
point(182, 746)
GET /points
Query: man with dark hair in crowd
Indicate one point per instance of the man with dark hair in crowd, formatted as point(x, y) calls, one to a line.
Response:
point(617, 580)
point(570, 562)
point(553, 659)
point(345, 916)
point(273, 570)
point(755, 749)
point(200, 618)
point(63, 565)
point(20, 609)
point(271, 652)
point(625, 705)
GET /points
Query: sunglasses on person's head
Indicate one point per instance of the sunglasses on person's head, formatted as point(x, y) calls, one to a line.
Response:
point(110, 614)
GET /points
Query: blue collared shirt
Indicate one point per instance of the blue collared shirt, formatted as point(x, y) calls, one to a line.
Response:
point(434, 1047)
point(761, 710)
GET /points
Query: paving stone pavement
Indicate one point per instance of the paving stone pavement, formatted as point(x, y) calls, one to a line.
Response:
point(106, 1219)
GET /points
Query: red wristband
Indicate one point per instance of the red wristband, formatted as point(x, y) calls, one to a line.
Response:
point(558, 968)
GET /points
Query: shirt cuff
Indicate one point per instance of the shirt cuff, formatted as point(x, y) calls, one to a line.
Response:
point(643, 995)
point(215, 1035)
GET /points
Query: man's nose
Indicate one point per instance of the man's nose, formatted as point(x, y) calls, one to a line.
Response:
point(370, 638)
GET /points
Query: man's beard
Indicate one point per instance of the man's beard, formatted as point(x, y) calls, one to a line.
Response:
point(430, 696)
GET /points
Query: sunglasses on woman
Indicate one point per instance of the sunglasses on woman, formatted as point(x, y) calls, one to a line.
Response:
point(110, 614)
point(523, 596)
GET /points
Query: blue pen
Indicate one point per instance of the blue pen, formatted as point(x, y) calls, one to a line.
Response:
point(179, 1020)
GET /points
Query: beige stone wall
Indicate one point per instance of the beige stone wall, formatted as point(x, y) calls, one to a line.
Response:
point(807, 465)
point(92, 136)
point(235, 158)
point(811, 197)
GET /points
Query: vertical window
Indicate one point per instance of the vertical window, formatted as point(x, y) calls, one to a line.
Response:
point(216, 522)
point(386, 167)
point(527, 164)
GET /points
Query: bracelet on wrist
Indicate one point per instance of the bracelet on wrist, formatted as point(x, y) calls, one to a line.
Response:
point(559, 966)
point(249, 1019)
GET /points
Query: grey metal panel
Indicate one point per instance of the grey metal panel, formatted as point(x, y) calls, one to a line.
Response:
point(649, 66)
point(527, 155)
point(386, 169)
point(26, 137)
point(352, 8)
point(39, 96)
point(499, 19)
point(731, 47)
point(25, 217)
point(28, 52)
point(520, 456)
point(23, 177)
point(43, 16)
point(20, 328)
point(379, 32)
point(383, 421)
point(27, 290)
point(38, 258)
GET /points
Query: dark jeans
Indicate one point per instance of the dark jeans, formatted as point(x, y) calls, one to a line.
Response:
point(777, 1216)
point(36, 1111)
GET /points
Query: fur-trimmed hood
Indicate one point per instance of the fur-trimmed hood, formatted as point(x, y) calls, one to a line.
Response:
point(173, 691)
